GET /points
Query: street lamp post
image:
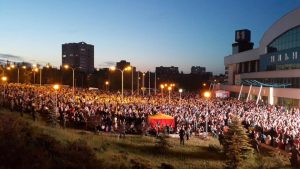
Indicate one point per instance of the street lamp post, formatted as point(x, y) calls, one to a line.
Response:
point(34, 70)
point(73, 70)
point(106, 85)
point(169, 88)
point(132, 82)
point(180, 91)
point(4, 80)
point(162, 90)
point(23, 67)
point(41, 76)
point(138, 83)
point(122, 73)
point(143, 84)
point(155, 82)
point(56, 88)
point(149, 84)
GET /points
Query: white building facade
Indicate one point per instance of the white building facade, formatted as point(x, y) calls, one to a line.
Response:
point(273, 68)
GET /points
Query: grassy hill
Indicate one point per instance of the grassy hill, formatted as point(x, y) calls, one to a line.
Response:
point(28, 144)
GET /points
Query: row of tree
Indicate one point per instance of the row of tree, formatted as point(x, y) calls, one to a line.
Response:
point(98, 79)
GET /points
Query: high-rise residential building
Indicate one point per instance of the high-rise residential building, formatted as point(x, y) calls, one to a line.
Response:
point(198, 70)
point(78, 55)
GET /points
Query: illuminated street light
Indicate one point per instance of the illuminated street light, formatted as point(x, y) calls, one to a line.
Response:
point(106, 85)
point(143, 89)
point(56, 88)
point(122, 72)
point(169, 88)
point(73, 70)
point(207, 94)
point(4, 78)
point(180, 91)
point(162, 90)
point(35, 69)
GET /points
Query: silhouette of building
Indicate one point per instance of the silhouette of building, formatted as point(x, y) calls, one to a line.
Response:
point(78, 55)
point(166, 71)
point(198, 70)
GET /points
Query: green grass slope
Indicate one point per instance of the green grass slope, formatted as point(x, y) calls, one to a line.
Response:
point(28, 144)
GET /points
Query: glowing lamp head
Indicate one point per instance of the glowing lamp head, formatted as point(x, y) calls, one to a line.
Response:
point(12, 66)
point(113, 68)
point(36, 69)
point(66, 66)
point(128, 68)
point(180, 90)
point(8, 68)
point(207, 94)
point(106, 82)
point(56, 87)
point(24, 67)
point(4, 78)
point(204, 84)
point(169, 88)
point(47, 66)
point(162, 86)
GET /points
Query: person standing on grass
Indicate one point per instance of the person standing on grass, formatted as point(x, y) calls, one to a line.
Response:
point(181, 135)
point(122, 129)
point(294, 157)
point(188, 131)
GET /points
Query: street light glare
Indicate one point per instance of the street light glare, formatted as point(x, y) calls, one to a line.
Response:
point(207, 94)
point(162, 86)
point(4, 78)
point(36, 69)
point(107, 82)
point(180, 90)
point(169, 88)
point(12, 66)
point(66, 66)
point(128, 68)
point(56, 87)
point(113, 68)
point(24, 67)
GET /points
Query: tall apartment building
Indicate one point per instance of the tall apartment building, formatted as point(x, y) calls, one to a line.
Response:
point(78, 55)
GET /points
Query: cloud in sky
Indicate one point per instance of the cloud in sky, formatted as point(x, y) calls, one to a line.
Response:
point(10, 58)
point(107, 64)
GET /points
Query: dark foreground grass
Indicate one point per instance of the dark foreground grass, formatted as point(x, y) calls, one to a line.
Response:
point(37, 145)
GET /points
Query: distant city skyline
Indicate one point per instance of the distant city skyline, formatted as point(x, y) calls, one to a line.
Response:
point(147, 34)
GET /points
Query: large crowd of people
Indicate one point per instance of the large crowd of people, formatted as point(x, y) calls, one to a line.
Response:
point(104, 111)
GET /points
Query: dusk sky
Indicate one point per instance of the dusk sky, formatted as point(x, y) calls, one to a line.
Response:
point(147, 33)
